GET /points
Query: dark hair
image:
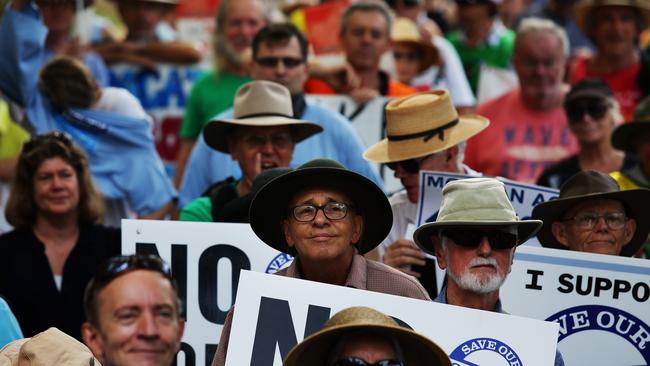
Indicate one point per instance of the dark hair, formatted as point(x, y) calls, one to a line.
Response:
point(119, 266)
point(493, 10)
point(590, 23)
point(368, 6)
point(21, 208)
point(279, 34)
point(68, 83)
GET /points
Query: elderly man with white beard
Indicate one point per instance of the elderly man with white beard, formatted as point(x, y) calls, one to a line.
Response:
point(474, 239)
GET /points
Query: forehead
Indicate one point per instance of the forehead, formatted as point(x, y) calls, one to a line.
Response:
point(539, 45)
point(260, 130)
point(368, 19)
point(318, 195)
point(612, 11)
point(53, 163)
point(598, 205)
point(290, 47)
point(244, 9)
point(140, 288)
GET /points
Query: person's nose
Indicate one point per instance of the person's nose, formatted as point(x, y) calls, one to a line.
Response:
point(601, 224)
point(484, 247)
point(280, 68)
point(320, 218)
point(400, 172)
point(147, 326)
point(267, 147)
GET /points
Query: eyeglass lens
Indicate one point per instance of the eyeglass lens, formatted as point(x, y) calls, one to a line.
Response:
point(589, 220)
point(289, 62)
point(278, 140)
point(411, 166)
point(332, 211)
point(498, 239)
point(594, 108)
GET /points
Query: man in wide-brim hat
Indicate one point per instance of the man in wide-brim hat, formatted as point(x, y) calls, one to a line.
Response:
point(424, 132)
point(474, 239)
point(327, 217)
point(261, 135)
point(593, 215)
point(357, 330)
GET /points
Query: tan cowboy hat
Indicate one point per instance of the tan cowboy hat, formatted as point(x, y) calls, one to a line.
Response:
point(259, 103)
point(475, 203)
point(423, 124)
point(586, 6)
point(417, 350)
point(269, 206)
point(49, 348)
point(405, 31)
point(588, 185)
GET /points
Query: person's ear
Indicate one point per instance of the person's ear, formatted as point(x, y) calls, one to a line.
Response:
point(181, 331)
point(559, 232)
point(630, 230)
point(92, 338)
point(358, 228)
point(439, 250)
point(287, 233)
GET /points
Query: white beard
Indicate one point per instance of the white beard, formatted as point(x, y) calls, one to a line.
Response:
point(469, 281)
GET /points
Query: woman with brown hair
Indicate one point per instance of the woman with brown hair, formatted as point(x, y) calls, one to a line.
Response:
point(57, 244)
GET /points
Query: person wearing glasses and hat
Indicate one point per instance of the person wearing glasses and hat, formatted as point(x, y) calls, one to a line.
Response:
point(133, 312)
point(614, 27)
point(361, 336)
point(573, 221)
point(261, 135)
point(592, 113)
point(327, 217)
point(474, 239)
point(424, 132)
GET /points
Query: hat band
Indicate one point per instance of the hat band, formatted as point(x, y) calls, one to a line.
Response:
point(255, 115)
point(428, 134)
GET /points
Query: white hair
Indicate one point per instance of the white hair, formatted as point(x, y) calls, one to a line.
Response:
point(539, 25)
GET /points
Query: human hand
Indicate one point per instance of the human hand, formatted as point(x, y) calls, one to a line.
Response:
point(403, 253)
point(342, 78)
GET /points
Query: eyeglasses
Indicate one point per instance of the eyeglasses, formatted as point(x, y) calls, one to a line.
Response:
point(37, 140)
point(595, 109)
point(278, 140)
point(411, 166)
point(355, 361)
point(331, 210)
point(289, 62)
point(498, 239)
point(614, 221)
point(408, 56)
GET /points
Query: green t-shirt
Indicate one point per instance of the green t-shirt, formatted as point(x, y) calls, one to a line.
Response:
point(497, 55)
point(211, 94)
point(199, 209)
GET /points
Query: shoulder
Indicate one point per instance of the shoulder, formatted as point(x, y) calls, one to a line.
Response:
point(7, 240)
point(383, 278)
point(198, 210)
point(497, 103)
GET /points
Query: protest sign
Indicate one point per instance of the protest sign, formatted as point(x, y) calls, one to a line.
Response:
point(524, 197)
point(274, 313)
point(205, 259)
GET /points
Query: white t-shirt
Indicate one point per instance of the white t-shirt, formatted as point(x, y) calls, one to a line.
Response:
point(120, 100)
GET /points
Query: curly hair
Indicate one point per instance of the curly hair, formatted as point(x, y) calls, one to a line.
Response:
point(21, 210)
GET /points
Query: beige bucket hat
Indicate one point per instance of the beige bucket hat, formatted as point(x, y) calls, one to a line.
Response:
point(586, 6)
point(423, 124)
point(49, 348)
point(314, 350)
point(404, 30)
point(475, 203)
point(259, 103)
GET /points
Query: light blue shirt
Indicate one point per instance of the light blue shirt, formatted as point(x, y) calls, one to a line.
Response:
point(338, 141)
point(9, 328)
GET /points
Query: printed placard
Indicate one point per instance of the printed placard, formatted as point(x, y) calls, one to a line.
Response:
point(273, 313)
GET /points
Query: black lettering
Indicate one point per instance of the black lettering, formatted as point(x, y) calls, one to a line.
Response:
point(565, 280)
point(587, 289)
point(274, 327)
point(210, 350)
point(535, 274)
point(602, 284)
point(621, 286)
point(316, 318)
point(636, 292)
point(190, 356)
point(208, 279)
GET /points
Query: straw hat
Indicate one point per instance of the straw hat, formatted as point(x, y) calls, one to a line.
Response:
point(423, 124)
point(269, 206)
point(259, 104)
point(589, 185)
point(404, 30)
point(586, 6)
point(624, 135)
point(475, 203)
point(417, 349)
point(49, 348)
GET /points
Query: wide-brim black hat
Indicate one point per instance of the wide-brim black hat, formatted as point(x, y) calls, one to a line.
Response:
point(589, 185)
point(269, 207)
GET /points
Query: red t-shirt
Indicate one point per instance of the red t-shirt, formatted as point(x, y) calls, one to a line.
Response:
point(519, 143)
point(623, 84)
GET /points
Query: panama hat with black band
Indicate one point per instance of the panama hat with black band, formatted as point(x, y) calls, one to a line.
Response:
point(270, 206)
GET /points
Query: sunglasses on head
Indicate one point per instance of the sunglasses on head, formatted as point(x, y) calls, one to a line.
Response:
point(355, 361)
point(596, 109)
point(115, 266)
point(37, 140)
point(288, 62)
point(471, 238)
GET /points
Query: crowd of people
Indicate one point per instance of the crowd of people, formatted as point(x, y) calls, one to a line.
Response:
point(552, 94)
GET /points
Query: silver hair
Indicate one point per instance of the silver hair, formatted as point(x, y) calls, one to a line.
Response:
point(367, 6)
point(539, 25)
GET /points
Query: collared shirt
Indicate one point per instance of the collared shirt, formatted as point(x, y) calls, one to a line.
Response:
point(364, 274)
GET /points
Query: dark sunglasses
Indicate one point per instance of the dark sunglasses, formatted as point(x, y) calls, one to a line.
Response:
point(595, 109)
point(289, 62)
point(410, 166)
point(37, 140)
point(355, 361)
point(470, 238)
point(408, 56)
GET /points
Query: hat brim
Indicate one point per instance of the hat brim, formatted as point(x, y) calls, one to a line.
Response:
point(216, 133)
point(582, 10)
point(418, 350)
point(269, 207)
point(624, 134)
point(422, 236)
point(636, 202)
point(386, 152)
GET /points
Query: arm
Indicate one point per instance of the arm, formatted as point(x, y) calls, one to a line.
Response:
point(147, 55)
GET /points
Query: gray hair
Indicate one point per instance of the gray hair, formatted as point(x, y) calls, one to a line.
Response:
point(367, 6)
point(539, 25)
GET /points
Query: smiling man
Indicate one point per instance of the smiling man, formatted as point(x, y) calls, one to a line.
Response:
point(133, 313)
point(593, 215)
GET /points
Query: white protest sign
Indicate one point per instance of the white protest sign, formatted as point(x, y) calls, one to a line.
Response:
point(273, 313)
point(601, 302)
point(205, 259)
point(524, 197)
point(368, 120)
